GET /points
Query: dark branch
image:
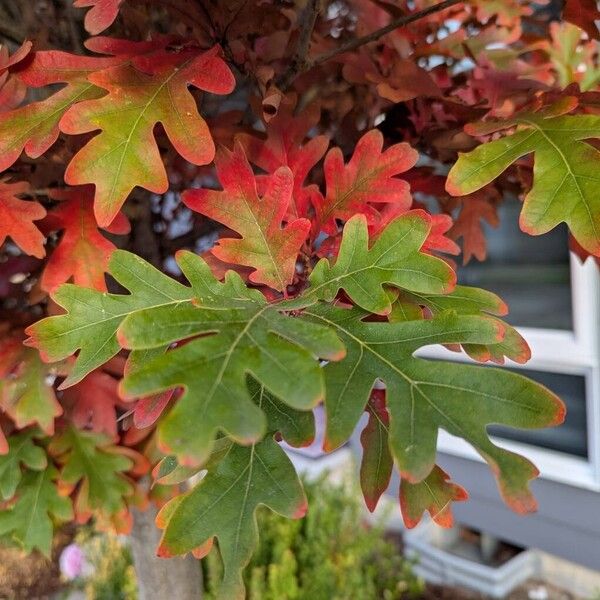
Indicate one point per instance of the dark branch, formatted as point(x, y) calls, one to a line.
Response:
point(299, 60)
point(375, 35)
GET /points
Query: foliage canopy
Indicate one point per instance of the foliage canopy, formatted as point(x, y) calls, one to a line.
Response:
point(216, 216)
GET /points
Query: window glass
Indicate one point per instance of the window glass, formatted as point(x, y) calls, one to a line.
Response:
point(530, 273)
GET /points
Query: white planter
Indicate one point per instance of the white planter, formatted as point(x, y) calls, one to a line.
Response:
point(428, 543)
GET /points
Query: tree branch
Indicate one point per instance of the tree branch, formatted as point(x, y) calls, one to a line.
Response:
point(299, 63)
point(375, 35)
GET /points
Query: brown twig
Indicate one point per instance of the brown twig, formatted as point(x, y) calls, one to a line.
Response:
point(375, 35)
point(298, 64)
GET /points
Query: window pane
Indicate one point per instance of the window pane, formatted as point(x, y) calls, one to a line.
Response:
point(530, 273)
point(571, 436)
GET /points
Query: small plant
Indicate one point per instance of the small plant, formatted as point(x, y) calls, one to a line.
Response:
point(329, 555)
point(108, 572)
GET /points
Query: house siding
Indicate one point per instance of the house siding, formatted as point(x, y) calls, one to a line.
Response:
point(567, 523)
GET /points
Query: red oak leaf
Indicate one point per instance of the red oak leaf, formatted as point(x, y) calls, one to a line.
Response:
point(17, 56)
point(475, 208)
point(93, 403)
point(404, 81)
point(17, 217)
point(83, 252)
point(584, 14)
point(377, 462)
point(284, 147)
point(101, 15)
point(265, 245)
point(368, 177)
point(12, 90)
point(437, 241)
point(146, 410)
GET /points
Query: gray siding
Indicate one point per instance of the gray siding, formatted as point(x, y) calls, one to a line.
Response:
point(567, 523)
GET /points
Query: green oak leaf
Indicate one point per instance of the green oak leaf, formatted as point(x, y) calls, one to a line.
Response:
point(566, 182)
point(22, 450)
point(90, 459)
point(296, 427)
point(29, 520)
point(28, 396)
point(248, 337)
point(92, 319)
point(241, 333)
point(423, 395)
point(467, 301)
point(394, 259)
point(224, 503)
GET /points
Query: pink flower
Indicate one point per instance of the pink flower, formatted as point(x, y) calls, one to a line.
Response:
point(71, 561)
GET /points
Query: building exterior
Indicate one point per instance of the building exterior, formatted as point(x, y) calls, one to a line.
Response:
point(555, 303)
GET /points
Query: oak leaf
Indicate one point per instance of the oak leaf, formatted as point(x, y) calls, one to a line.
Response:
point(29, 520)
point(265, 245)
point(368, 178)
point(465, 300)
point(22, 450)
point(96, 469)
point(150, 89)
point(93, 403)
point(17, 218)
point(285, 146)
point(244, 479)
point(101, 14)
point(26, 392)
point(476, 209)
point(377, 463)
point(395, 259)
point(82, 254)
point(565, 176)
point(93, 318)
point(422, 396)
point(434, 494)
point(33, 128)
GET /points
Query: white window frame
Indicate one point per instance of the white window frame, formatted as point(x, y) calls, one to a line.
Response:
point(575, 352)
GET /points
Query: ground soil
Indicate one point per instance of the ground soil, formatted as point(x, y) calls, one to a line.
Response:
point(33, 576)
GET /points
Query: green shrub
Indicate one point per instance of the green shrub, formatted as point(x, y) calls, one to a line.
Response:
point(329, 555)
